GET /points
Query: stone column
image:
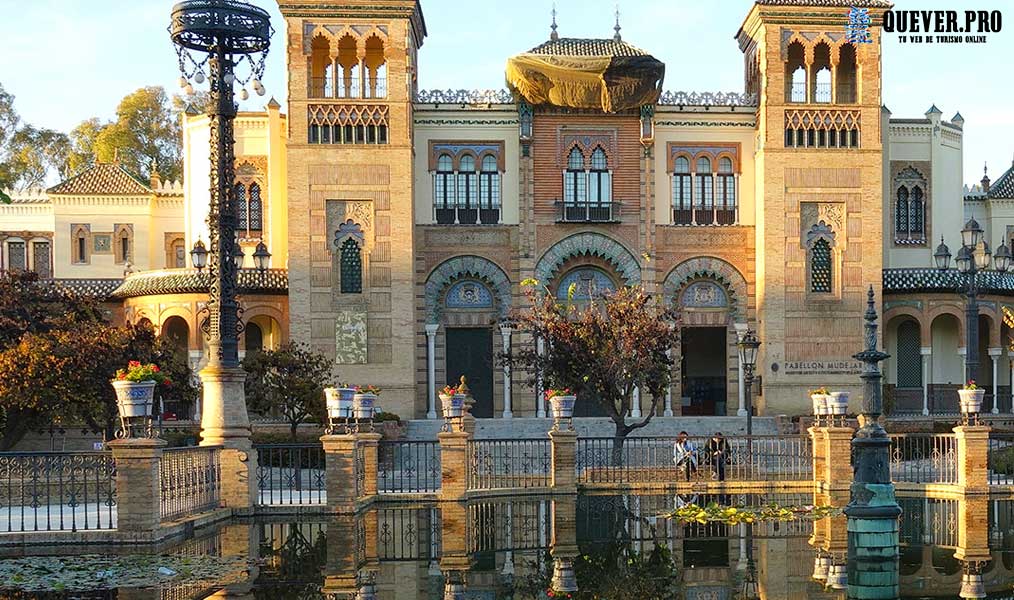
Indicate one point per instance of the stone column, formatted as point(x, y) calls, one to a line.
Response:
point(964, 356)
point(224, 422)
point(927, 372)
point(340, 465)
point(741, 329)
point(453, 464)
point(668, 392)
point(563, 446)
point(540, 399)
point(994, 357)
point(431, 370)
point(505, 336)
point(838, 458)
point(369, 442)
point(138, 505)
point(973, 453)
point(819, 445)
point(973, 529)
point(635, 403)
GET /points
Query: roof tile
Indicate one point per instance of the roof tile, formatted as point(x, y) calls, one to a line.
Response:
point(103, 179)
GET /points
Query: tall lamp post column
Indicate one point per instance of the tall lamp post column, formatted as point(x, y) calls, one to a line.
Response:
point(221, 35)
point(748, 345)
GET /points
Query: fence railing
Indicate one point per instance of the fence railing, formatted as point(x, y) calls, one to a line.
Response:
point(496, 464)
point(190, 481)
point(408, 467)
point(57, 491)
point(653, 459)
point(924, 458)
point(1001, 458)
point(290, 474)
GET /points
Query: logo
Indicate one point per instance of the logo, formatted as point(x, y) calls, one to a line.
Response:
point(857, 28)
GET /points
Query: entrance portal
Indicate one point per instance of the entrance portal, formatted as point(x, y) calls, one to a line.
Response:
point(470, 353)
point(703, 370)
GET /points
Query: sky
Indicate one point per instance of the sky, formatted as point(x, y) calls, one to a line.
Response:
point(69, 60)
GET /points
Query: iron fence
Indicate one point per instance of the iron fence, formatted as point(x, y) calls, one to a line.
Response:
point(408, 466)
point(57, 491)
point(653, 459)
point(1001, 458)
point(497, 464)
point(190, 481)
point(290, 474)
point(924, 458)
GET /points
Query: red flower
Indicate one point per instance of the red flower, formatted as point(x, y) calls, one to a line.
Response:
point(134, 363)
point(155, 368)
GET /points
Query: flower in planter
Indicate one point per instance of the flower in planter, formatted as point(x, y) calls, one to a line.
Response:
point(449, 390)
point(823, 391)
point(138, 373)
point(550, 394)
point(970, 385)
point(367, 389)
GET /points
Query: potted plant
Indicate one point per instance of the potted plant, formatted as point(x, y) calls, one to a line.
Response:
point(970, 397)
point(838, 403)
point(561, 402)
point(452, 402)
point(339, 401)
point(364, 401)
point(819, 397)
point(135, 388)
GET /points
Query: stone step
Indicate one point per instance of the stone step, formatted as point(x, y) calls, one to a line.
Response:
point(534, 428)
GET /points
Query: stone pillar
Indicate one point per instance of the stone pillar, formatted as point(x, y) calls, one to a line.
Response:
point(453, 464)
point(431, 370)
point(973, 529)
point(741, 329)
point(563, 446)
point(927, 377)
point(505, 336)
point(369, 442)
point(341, 567)
point(964, 357)
point(838, 458)
point(138, 485)
point(668, 391)
point(540, 399)
point(635, 403)
point(224, 422)
point(340, 465)
point(819, 445)
point(994, 357)
point(973, 453)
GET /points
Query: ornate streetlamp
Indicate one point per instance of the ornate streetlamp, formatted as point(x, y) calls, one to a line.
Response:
point(973, 257)
point(228, 39)
point(748, 345)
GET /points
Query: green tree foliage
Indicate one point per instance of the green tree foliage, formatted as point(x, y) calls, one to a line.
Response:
point(81, 154)
point(601, 350)
point(58, 355)
point(28, 154)
point(145, 135)
point(289, 382)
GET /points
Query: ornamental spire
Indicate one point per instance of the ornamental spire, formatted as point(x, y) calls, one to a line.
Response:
point(553, 35)
point(616, 28)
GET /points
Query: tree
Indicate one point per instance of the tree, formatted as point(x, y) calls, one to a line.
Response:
point(602, 350)
point(81, 154)
point(289, 381)
point(35, 154)
point(145, 135)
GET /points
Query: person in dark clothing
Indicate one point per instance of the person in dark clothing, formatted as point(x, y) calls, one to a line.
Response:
point(716, 453)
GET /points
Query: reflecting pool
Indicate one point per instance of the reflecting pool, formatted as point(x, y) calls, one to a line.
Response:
point(608, 546)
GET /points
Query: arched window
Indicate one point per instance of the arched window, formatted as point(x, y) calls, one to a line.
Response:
point(704, 201)
point(348, 78)
point(81, 249)
point(489, 191)
point(574, 181)
point(242, 218)
point(822, 78)
point(901, 212)
point(376, 68)
point(321, 73)
point(443, 190)
point(823, 86)
point(351, 267)
point(821, 267)
point(123, 244)
point(845, 72)
point(468, 190)
point(253, 338)
point(599, 184)
point(917, 214)
point(681, 207)
point(909, 355)
point(726, 209)
point(255, 209)
point(795, 73)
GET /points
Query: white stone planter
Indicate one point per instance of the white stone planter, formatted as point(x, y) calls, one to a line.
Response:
point(339, 402)
point(562, 406)
point(837, 578)
point(453, 406)
point(838, 403)
point(821, 564)
point(134, 398)
point(363, 405)
point(819, 404)
point(970, 401)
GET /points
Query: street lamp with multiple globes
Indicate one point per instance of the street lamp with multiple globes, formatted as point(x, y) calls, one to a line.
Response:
point(748, 345)
point(224, 42)
point(972, 258)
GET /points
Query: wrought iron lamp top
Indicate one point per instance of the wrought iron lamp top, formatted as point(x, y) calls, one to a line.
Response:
point(203, 24)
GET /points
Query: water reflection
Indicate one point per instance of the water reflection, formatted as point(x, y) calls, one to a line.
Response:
point(613, 546)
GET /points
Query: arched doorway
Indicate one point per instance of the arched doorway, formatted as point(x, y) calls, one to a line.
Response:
point(904, 370)
point(468, 305)
point(176, 330)
point(946, 373)
point(704, 349)
point(253, 338)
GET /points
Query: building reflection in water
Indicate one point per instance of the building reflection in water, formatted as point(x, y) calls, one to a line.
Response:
point(519, 547)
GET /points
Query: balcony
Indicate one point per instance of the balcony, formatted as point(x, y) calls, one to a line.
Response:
point(324, 87)
point(603, 212)
point(705, 216)
point(467, 216)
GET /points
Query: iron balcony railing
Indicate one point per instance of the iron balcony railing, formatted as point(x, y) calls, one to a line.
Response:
point(408, 467)
point(653, 459)
point(290, 474)
point(324, 87)
point(1000, 459)
point(190, 481)
point(57, 491)
point(705, 216)
point(587, 212)
point(466, 216)
point(513, 463)
point(924, 458)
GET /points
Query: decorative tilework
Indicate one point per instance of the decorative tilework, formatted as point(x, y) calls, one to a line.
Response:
point(587, 281)
point(468, 294)
point(715, 270)
point(704, 294)
point(350, 337)
point(466, 267)
point(588, 244)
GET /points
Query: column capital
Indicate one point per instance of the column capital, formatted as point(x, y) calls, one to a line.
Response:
point(962, 350)
point(926, 351)
point(741, 328)
point(506, 329)
point(431, 329)
point(995, 352)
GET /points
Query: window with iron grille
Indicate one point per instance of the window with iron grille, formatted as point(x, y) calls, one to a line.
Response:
point(681, 198)
point(821, 268)
point(351, 267)
point(241, 208)
point(909, 355)
point(255, 209)
point(443, 190)
point(574, 181)
point(41, 260)
point(16, 258)
point(599, 185)
point(901, 212)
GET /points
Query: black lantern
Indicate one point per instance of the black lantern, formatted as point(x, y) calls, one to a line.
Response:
point(981, 254)
point(964, 260)
point(942, 256)
point(261, 257)
point(238, 256)
point(1001, 258)
point(748, 345)
point(199, 255)
point(971, 234)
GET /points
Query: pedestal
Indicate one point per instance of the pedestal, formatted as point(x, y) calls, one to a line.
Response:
point(453, 464)
point(138, 487)
point(340, 465)
point(838, 458)
point(224, 422)
point(973, 458)
point(563, 448)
